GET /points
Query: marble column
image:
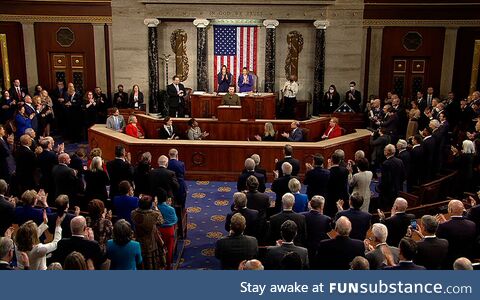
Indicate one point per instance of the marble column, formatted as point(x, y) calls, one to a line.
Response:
point(448, 59)
point(319, 76)
point(270, 39)
point(376, 41)
point(30, 55)
point(100, 61)
point(202, 54)
point(153, 74)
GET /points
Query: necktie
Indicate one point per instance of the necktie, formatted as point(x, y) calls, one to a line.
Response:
point(19, 94)
point(169, 130)
point(117, 125)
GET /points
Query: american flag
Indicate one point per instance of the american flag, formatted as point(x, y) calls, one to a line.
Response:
point(235, 47)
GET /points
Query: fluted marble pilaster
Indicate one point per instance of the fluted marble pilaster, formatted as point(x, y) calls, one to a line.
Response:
point(319, 76)
point(202, 54)
point(153, 73)
point(270, 54)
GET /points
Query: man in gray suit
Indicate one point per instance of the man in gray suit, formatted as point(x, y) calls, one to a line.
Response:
point(379, 253)
point(275, 254)
point(116, 121)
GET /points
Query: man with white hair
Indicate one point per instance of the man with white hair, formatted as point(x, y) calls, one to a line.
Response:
point(393, 175)
point(65, 180)
point(287, 213)
point(280, 184)
point(462, 263)
point(257, 159)
point(337, 253)
point(82, 240)
point(378, 253)
point(163, 178)
point(250, 171)
point(178, 166)
point(398, 222)
point(459, 232)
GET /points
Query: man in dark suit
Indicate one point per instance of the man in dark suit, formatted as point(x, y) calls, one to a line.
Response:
point(421, 101)
point(401, 115)
point(163, 178)
point(236, 247)
point(473, 214)
point(176, 103)
point(7, 248)
point(295, 163)
point(316, 177)
point(7, 208)
point(65, 179)
point(432, 250)
point(59, 95)
point(318, 225)
point(46, 161)
point(287, 213)
point(280, 184)
point(398, 222)
point(251, 216)
point(118, 170)
point(337, 253)
point(31, 110)
point(178, 167)
point(390, 123)
point(296, 134)
point(120, 98)
point(416, 171)
point(407, 251)
point(360, 220)
point(275, 254)
point(404, 155)
point(27, 165)
point(353, 97)
point(430, 95)
point(459, 232)
point(429, 152)
point(258, 168)
point(82, 240)
point(379, 252)
point(393, 175)
point(18, 92)
point(337, 185)
point(62, 204)
point(250, 171)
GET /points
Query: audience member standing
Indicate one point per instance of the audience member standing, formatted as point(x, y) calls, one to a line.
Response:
point(337, 185)
point(287, 213)
point(393, 175)
point(360, 220)
point(379, 254)
point(119, 169)
point(318, 225)
point(295, 163)
point(123, 252)
point(360, 182)
point(66, 180)
point(250, 171)
point(432, 251)
point(126, 202)
point(398, 222)
point(163, 178)
point(316, 177)
point(280, 184)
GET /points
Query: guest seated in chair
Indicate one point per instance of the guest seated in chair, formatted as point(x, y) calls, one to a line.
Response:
point(194, 132)
point(268, 134)
point(296, 135)
point(245, 81)
point(116, 121)
point(168, 131)
point(231, 98)
point(334, 130)
point(134, 129)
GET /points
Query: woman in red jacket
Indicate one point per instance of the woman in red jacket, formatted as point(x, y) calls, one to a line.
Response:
point(333, 130)
point(133, 129)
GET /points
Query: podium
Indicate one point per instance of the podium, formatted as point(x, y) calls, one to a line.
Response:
point(229, 113)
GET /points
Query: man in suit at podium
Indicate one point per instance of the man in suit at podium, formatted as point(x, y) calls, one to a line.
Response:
point(176, 105)
point(231, 98)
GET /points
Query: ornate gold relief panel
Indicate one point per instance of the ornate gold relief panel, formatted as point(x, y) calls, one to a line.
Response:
point(295, 46)
point(178, 40)
point(4, 68)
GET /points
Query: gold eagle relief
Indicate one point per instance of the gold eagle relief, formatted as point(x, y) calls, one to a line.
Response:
point(178, 41)
point(295, 46)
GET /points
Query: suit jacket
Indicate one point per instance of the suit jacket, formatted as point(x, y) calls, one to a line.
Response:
point(397, 227)
point(473, 214)
point(164, 134)
point(404, 265)
point(295, 135)
point(316, 181)
point(318, 226)
point(422, 104)
point(26, 213)
point(376, 259)
point(337, 253)
point(252, 218)
point(14, 95)
point(242, 181)
point(178, 167)
point(7, 161)
point(29, 109)
point(258, 201)
point(431, 253)
point(360, 222)
point(7, 214)
point(336, 132)
point(89, 249)
point(5, 267)
point(275, 254)
point(354, 104)
point(404, 156)
point(27, 164)
point(429, 153)
point(118, 170)
point(391, 182)
point(294, 162)
point(391, 124)
point(417, 166)
point(131, 99)
point(46, 161)
point(111, 123)
point(337, 189)
point(123, 206)
point(460, 234)
point(232, 249)
point(276, 222)
point(66, 182)
point(378, 143)
point(120, 100)
point(245, 86)
point(165, 179)
point(133, 131)
point(173, 99)
point(280, 187)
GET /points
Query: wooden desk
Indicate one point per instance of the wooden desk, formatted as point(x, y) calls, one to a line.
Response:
point(260, 106)
point(229, 113)
point(223, 160)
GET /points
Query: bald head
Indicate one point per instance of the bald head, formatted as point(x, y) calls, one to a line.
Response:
point(343, 226)
point(78, 225)
point(163, 161)
point(462, 263)
point(253, 264)
point(456, 208)
point(400, 204)
point(64, 158)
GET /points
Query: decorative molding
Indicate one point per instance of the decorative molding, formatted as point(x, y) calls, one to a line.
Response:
point(244, 2)
point(151, 22)
point(321, 24)
point(271, 24)
point(236, 22)
point(201, 23)
point(56, 19)
point(427, 23)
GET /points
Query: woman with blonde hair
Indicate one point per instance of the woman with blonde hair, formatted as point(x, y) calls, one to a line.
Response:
point(268, 133)
point(96, 180)
point(134, 129)
point(464, 161)
point(27, 240)
point(46, 112)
